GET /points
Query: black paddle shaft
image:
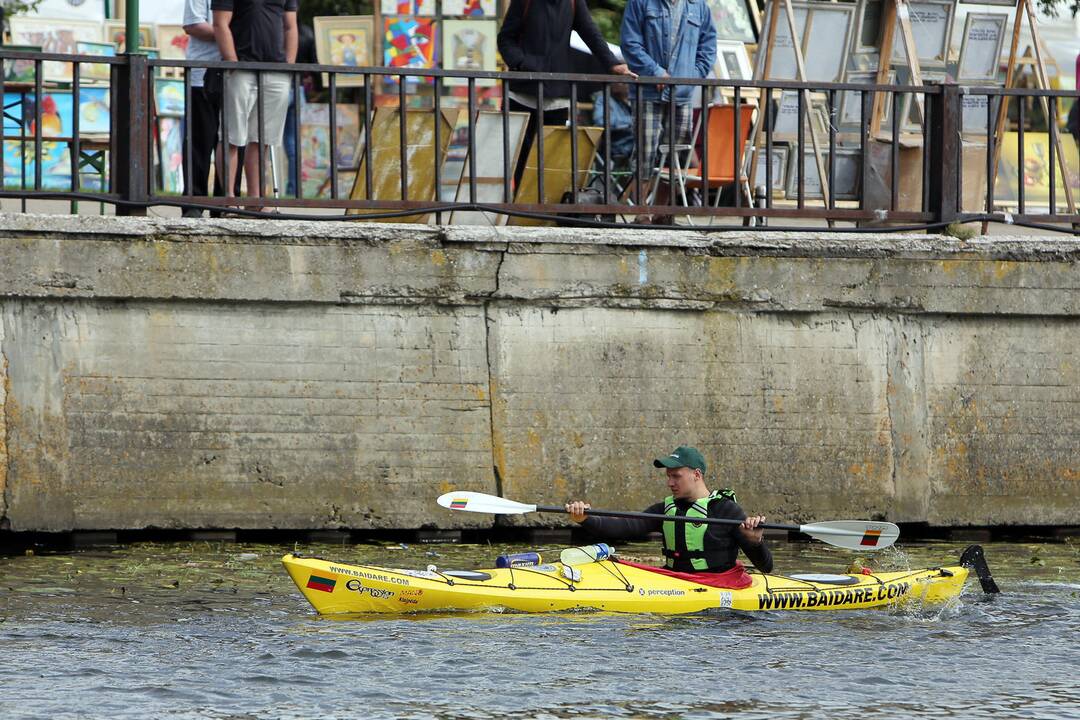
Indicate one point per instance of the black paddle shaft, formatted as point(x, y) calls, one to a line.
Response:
point(673, 518)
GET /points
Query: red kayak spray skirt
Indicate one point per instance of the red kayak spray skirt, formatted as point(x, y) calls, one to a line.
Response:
point(734, 579)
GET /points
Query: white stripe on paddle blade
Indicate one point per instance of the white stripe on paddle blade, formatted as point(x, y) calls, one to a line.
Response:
point(854, 534)
point(482, 503)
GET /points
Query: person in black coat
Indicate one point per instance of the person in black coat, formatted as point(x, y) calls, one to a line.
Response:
point(535, 37)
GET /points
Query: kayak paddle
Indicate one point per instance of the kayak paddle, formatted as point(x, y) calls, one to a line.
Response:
point(850, 534)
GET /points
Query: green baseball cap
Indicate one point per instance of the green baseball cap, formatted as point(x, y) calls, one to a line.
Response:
point(682, 456)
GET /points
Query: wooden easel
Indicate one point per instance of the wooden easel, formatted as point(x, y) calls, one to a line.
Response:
point(1023, 7)
point(762, 73)
point(897, 10)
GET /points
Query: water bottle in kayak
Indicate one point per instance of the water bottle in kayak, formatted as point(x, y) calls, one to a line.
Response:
point(585, 555)
point(525, 559)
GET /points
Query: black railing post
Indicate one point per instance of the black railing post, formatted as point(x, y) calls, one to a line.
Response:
point(131, 143)
point(944, 139)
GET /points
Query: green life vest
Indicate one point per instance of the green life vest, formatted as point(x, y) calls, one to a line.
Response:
point(683, 540)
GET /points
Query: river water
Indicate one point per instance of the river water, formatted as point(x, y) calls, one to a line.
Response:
point(199, 630)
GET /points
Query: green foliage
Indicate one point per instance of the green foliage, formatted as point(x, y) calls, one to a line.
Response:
point(608, 17)
point(17, 7)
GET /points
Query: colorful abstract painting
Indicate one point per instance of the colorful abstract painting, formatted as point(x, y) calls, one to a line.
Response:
point(171, 154)
point(469, 8)
point(315, 146)
point(469, 45)
point(409, 42)
point(407, 7)
point(20, 71)
point(19, 165)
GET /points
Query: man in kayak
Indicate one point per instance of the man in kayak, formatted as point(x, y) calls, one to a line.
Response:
point(689, 547)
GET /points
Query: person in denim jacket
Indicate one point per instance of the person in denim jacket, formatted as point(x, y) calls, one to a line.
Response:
point(667, 38)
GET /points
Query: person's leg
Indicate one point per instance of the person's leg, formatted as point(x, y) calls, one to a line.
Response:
point(251, 169)
point(203, 138)
point(239, 104)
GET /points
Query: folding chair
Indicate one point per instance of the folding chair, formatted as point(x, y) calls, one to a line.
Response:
point(723, 152)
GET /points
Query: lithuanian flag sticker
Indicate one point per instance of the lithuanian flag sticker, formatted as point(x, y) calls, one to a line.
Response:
point(870, 538)
point(458, 503)
point(320, 583)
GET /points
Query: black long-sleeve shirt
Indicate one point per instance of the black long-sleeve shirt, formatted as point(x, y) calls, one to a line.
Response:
point(723, 539)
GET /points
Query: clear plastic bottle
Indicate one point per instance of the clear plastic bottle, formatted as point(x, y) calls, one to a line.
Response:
point(585, 555)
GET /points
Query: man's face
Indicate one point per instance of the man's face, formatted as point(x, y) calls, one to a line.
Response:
point(683, 482)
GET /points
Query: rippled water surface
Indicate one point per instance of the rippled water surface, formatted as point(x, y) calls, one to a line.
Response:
point(197, 630)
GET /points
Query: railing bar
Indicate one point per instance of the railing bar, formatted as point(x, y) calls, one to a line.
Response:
point(705, 145)
point(607, 145)
point(298, 177)
point(75, 143)
point(574, 144)
point(1020, 155)
point(540, 142)
point(508, 171)
point(768, 148)
point(831, 169)
point(37, 124)
point(1051, 122)
point(926, 124)
point(736, 155)
point(333, 137)
point(991, 101)
point(437, 156)
point(369, 118)
point(260, 135)
point(671, 144)
point(403, 138)
point(472, 140)
point(188, 190)
point(226, 143)
point(800, 160)
point(639, 141)
point(894, 154)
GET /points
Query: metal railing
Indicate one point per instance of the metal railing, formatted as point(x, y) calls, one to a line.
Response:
point(853, 172)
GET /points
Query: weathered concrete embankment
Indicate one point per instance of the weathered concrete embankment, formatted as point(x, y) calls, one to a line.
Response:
point(245, 374)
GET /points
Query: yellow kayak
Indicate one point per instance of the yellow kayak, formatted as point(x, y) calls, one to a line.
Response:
point(605, 585)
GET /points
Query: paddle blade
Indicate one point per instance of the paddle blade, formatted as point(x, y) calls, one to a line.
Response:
point(482, 503)
point(854, 534)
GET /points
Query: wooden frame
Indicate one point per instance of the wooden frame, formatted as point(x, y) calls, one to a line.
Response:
point(780, 168)
point(147, 37)
point(419, 8)
point(487, 9)
point(849, 116)
point(859, 46)
point(820, 40)
point(988, 69)
point(937, 54)
point(334, 28)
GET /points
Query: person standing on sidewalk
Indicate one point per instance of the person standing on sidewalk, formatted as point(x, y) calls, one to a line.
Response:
point(206, 92)
point(255, 31)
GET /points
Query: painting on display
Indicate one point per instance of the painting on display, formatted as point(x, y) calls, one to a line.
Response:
point(54, 36)
point(345, 40)
point(845, 181)
point(56, 113)
point(469, 8)
point(779, 169)
point(490, 166)
point(1036, 171)
point(734, 20)
point(469, 45)
point(171, 154)
point(95, 71)
point(409, 42)
point(931, 28)
point(115, 32)
point(315, 146)
point(169, 97)
point(172, 42)
point(19, 165)
point(732, 62)
point(20, 71)
point(408, 7)
point(980, 49)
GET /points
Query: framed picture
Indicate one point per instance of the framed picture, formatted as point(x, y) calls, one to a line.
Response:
point(115, 31)
point(732, 62)
point(980, 49)
point(469, 45)
point(846, 175)
point(824, 35)
point(469, 8)
point(850, 113)
point(348, 41)
point(171, 154)
point(409, 42)
point(779, 163)
point(95, 71)
point(54, 36)
point(931, 28)
point(172, 44)
point(20, 71)
point(490, 166)
point(786, 117)
point(866, 38)
point(407, 7)
point(733, 19)
point(57, 119)
point(1005, 3)
point(973, 119)
point(169, 97)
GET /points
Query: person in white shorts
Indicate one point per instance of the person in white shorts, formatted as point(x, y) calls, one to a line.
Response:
point(255, 31)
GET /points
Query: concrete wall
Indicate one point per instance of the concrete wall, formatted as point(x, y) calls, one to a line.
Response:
point(310, 375)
